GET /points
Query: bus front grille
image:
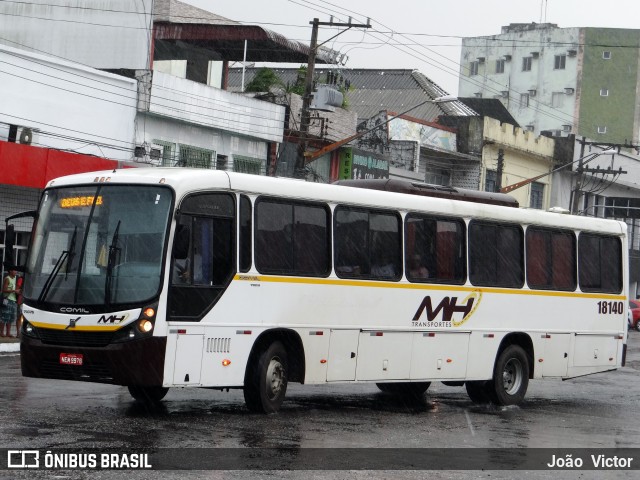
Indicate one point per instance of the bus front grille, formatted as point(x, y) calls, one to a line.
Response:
point(74, 339)
point(87, 372)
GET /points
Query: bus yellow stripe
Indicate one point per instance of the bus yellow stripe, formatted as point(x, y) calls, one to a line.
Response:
point(422, 286)
point(86, 328)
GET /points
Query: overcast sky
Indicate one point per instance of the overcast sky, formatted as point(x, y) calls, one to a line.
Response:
point(426, 33)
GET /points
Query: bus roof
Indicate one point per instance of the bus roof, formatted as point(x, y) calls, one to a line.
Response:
point(187, 180)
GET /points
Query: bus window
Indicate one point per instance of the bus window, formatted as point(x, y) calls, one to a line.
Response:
point(292, 238)
point(367, 244)
point(496, 254)
point(203, 255)
point(551, 259)
point(435, 249)
point(245, 234)
point(600, 263)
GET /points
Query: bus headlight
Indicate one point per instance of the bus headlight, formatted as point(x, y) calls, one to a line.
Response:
point(145, 326)
point(28, 330)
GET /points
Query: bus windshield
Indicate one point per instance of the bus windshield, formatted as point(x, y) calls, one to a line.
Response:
point(98, 245)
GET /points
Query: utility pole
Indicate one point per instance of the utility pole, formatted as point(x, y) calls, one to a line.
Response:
point(305, 116)
point(499, 170)
point(577, 193)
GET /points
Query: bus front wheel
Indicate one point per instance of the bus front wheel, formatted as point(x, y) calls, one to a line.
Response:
point(147, 394)
point(266, 381)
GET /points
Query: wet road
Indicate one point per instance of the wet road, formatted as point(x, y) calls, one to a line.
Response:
point(599, 411)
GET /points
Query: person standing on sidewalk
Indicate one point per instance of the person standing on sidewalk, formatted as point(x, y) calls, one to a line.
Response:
point(10, 291)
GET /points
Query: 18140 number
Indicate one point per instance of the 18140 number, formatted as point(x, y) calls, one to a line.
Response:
point(605, 308)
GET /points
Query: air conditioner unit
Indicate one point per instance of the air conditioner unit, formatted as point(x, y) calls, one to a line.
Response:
point(529, 128)
point(569, 90)
point(481, 59)
point(149, 153)
point(532, 92)
point(535, 54)
point(504, 93)
point(478, 94)
point(566, 128)
point(26, 136)
point(507, 58)
point(572, 53)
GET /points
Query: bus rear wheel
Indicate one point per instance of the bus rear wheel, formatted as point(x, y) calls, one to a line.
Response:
point(266, 380)
point(147, 394)
point(510, 376)
point(406, 389)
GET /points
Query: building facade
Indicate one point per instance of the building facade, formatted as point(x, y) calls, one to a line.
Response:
point(582, 81)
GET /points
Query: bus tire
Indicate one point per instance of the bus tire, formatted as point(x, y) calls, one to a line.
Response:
point(266, 380)
point(510, 377)
point(478, 392)
point(405, 389)
point(147, 394)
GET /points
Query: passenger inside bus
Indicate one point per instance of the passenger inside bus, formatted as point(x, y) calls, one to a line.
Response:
point(417, 269)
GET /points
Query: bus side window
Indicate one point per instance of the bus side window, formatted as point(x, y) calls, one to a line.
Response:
point(245, 234)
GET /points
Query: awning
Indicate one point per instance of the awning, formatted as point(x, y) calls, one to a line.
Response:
point(178, 41)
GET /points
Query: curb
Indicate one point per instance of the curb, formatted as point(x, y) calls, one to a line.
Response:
point(9, 348)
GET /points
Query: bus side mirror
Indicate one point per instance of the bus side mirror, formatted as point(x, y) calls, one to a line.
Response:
point(181, 242)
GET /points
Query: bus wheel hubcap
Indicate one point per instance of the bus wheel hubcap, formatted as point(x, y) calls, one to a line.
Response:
point(512, 376)
point(275, 377)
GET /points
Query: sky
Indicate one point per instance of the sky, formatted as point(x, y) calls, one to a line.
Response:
point(422, 35)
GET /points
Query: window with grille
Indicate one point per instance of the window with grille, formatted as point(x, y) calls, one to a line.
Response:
point(244, 164)
point(438, 177)
point(168, 152)
point(537, 195)
point(526, 64)
point(524, 100)
point(490, 181)
point(500, 66)
point(195, 157)
point(473, 69)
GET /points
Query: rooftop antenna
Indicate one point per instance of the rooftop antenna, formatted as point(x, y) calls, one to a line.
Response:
point(543, 11)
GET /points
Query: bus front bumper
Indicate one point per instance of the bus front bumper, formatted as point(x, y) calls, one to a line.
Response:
point(138, 362)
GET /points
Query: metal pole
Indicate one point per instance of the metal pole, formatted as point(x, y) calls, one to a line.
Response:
point(577, 194)
point(244, 63)
point(305, 117)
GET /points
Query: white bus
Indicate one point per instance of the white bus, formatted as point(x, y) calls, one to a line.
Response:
point(157, 278)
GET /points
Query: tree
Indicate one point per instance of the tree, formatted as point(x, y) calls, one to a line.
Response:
point(264, 79)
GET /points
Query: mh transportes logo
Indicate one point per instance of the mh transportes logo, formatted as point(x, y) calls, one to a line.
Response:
point(448, 312)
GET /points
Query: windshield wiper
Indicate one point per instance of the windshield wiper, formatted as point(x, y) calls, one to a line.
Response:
point(71, 253)
point(113, 251)
point(65, 255)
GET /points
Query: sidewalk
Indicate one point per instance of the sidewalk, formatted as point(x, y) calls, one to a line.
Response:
point(9, 345)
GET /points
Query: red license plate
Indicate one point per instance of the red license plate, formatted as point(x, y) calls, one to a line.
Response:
point(71, 359)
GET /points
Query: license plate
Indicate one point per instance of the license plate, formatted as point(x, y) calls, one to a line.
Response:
point(71, 359)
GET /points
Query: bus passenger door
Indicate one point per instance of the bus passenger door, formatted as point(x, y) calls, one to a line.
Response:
point(188, 361)
point(343, 348)
point(556, 354)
